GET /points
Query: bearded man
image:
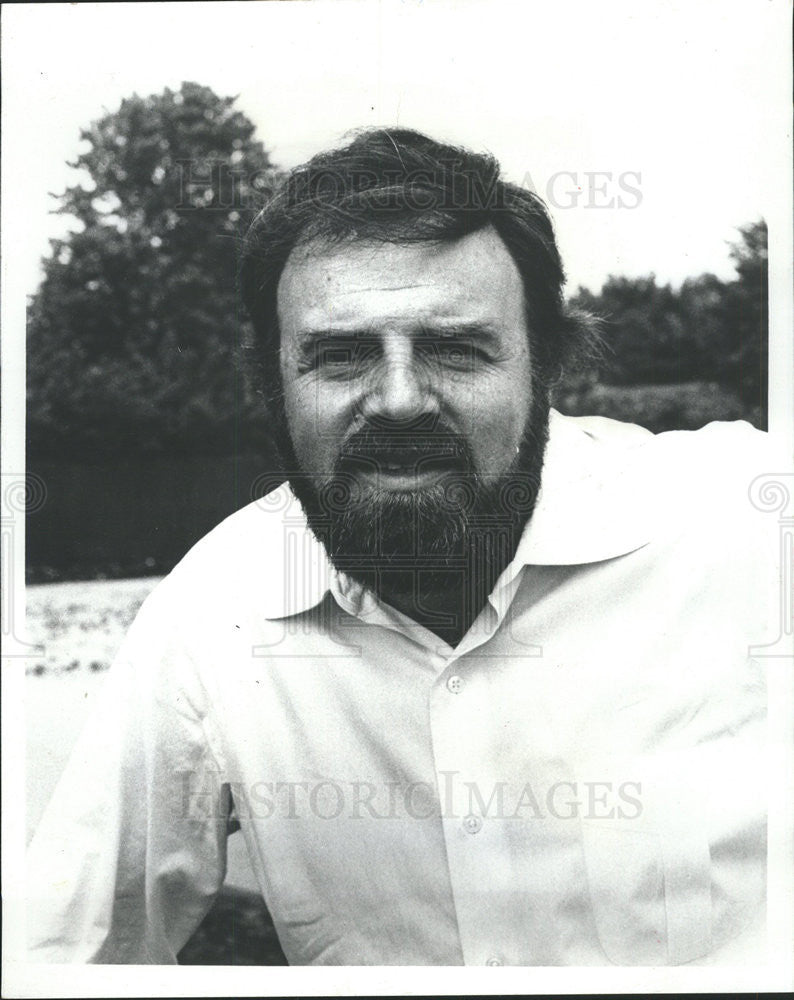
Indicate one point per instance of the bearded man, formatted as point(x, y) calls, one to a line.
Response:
point(475, 681)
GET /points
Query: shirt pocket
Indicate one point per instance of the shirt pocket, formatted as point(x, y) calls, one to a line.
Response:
point(648, 868)
point(649, 892)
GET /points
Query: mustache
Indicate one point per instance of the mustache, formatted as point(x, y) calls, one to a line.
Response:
point(405, 443)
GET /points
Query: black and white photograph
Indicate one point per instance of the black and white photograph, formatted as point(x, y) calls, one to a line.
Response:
point(397, 498)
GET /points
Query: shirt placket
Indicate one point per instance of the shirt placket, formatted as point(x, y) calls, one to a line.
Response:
point(486, 890)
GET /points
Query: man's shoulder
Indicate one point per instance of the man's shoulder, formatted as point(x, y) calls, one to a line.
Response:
point(721, 447)
point(255, 523)
point(245, 555)
point(609, 487)
point(621, 433)
point(719, 461)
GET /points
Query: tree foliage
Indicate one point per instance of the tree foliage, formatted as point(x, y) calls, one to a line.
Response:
point(134, 333)
point(710, 334)
point(744, 357)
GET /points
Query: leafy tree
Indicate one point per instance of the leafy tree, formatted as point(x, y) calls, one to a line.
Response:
point(134, 333)
point(647, 339)
point(710, 334)
point(744, 362)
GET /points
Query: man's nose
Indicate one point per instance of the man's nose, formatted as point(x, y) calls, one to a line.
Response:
point(401, 388)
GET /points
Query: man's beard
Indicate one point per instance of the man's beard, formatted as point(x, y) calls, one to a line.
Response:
point(455, 536)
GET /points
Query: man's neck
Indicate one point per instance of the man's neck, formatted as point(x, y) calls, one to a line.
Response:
point(447, 602)
point(448, 615)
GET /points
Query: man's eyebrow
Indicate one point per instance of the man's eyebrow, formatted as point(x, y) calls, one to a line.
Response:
point(313, 336)
point(312, 341)
point(473, 329)
point(476, 329)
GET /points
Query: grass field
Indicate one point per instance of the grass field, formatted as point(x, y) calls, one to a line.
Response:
point(80, 626)
point(77, 629)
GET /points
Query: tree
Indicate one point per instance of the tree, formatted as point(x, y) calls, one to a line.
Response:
point(709, 335)
point(647, 336)
point(745, 358)
point(134, 334)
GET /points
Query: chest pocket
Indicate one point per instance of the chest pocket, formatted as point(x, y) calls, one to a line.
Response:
point(650, 892)
point(653, 878)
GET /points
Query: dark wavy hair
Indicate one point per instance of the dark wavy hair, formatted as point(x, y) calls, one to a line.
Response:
point(397, 185)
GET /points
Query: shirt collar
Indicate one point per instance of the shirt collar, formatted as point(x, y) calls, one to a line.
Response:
point(592, 506)
point(594, 503)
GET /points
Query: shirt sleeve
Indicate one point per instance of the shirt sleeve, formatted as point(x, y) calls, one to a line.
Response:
point(131, 850)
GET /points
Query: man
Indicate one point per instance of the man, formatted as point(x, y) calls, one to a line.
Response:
point(475, 684)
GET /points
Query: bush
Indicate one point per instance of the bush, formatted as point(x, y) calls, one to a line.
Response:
point(686, 406)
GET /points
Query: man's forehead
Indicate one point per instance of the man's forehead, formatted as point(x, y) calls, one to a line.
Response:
point(454, 277)
point(318, 252)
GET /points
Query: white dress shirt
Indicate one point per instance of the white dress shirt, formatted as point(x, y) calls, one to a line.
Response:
point(579, 782)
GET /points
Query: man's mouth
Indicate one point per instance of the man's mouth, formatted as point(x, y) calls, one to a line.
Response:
point(402, 460)
point(403, 467)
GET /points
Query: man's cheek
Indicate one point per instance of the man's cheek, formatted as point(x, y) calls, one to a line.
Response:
point(494, 446)
point(320, 454)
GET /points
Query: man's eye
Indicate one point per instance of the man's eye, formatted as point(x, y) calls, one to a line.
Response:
point(456, 353)
point(343, 354)
point(337, 356)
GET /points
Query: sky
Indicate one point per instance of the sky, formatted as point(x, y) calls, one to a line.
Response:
point(653, 130)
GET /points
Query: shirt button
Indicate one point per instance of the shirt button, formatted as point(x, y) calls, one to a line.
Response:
point(495, 960)
point(472, 823)
point(455, 684)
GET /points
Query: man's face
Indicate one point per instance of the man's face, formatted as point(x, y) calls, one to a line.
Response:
point(420, 338)
point(409, 402)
